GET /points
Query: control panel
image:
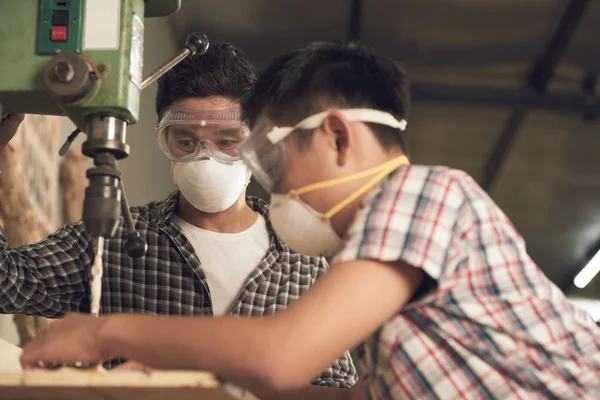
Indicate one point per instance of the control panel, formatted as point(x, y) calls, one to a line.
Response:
point(60, 26)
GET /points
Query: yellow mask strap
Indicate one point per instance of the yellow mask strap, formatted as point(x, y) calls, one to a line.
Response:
point(379, 172)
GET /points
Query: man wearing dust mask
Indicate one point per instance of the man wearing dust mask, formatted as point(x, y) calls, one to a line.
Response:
point(200, 144)
point(211, 250)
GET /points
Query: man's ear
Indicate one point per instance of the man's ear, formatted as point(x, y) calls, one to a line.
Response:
point(338, 127)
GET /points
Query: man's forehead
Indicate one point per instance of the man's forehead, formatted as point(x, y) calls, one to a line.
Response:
point(207, 104)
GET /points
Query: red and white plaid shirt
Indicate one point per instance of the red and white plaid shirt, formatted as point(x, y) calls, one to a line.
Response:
point(490, 325)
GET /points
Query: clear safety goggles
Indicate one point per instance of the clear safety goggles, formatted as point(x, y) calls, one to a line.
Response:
point(185, 135)
point(265, 151)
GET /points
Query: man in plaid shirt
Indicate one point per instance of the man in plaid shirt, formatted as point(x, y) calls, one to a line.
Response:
point(211, 255)
point(430, 279)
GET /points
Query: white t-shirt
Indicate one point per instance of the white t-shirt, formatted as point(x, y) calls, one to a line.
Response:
point(227, 258)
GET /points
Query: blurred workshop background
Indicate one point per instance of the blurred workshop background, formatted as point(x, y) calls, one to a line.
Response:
point(504, 89)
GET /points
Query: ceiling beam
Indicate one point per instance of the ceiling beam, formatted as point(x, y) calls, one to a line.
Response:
point(537, 82)
point(555, 51)
point(585, 105)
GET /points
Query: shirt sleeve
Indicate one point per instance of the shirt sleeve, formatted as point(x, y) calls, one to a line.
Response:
point(341, 374)
point(48, 278)
point(412, 217)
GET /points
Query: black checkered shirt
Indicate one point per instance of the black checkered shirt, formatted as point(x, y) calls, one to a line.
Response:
point(52, 277)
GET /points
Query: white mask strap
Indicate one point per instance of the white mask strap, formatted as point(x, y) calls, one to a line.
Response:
point(277, 134)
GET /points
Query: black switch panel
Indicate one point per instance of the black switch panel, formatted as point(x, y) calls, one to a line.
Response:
point(60, 18)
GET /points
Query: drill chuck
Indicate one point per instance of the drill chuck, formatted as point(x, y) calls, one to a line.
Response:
point(102, 204)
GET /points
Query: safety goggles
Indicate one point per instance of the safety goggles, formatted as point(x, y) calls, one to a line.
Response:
point(266, 153)
point(185, 135)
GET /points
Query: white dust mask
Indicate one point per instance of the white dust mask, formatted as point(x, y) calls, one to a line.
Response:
point(301, 227)
point(209, 185)
point(309, 232)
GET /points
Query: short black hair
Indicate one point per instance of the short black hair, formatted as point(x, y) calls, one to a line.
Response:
point(224, 70)
point(322, 75)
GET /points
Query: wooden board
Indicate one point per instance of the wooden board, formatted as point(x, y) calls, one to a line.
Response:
point(69, 384)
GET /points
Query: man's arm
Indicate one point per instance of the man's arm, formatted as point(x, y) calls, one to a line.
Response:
point(48, 278)
point(281, 352)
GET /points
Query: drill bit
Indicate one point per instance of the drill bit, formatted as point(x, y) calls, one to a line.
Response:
point(97, 270)
point(96, 293)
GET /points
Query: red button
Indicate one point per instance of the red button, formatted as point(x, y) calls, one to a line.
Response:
point(58, 34)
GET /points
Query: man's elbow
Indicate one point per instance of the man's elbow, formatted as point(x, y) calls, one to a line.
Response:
point(279, 373)
point(278, 363)
point(280, 377)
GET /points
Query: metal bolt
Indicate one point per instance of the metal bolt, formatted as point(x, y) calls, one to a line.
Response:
point(63, 71)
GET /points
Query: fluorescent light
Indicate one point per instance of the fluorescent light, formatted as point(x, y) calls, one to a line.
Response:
point(588, 272)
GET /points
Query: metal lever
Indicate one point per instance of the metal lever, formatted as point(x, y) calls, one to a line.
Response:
point(65, 147)
point(135, 245)
point(196, 43)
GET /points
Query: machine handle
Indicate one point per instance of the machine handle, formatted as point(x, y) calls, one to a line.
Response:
point(196, 43)
point(135, 245)
point(65, 147)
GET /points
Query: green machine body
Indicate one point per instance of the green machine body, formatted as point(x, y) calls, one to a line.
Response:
point(78, 58)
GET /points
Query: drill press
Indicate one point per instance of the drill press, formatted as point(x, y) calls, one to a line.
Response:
point(83, 59)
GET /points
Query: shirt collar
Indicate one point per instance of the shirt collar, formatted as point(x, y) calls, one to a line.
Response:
point(167, 208)
point(169, 205)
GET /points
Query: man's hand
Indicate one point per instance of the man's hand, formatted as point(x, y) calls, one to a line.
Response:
point(8, 128)
point(72, 339)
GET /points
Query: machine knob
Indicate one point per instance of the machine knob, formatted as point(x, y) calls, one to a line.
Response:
point(197, 43)
point(69, 77)
point(135, 246)
point(63, 72)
